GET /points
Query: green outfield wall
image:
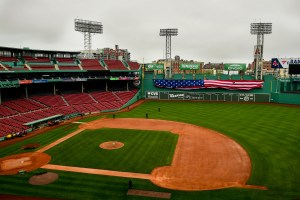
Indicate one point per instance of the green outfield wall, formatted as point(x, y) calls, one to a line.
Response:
point(274, 90)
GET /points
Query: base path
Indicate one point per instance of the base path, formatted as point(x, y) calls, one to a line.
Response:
point(203, 160)
point(97, 171)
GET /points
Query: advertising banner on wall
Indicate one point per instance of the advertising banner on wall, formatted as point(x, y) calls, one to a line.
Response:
point(284, 62)
point(235, 66)
point(176, 95)
point(189, 66)
point(154, 66)
point(192, 96)
point(9, 84)
point(152, 95)
point(40, 81)
point(246, 98)
point(25, 82)
point(73, 79)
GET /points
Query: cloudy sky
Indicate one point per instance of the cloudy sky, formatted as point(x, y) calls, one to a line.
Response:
point(209, 31)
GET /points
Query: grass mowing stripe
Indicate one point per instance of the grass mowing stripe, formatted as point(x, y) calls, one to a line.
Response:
point(142, 152)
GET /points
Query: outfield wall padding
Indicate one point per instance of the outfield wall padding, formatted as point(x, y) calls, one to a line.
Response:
point(207, 96)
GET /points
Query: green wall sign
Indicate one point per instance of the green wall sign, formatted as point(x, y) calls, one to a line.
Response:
point(150, 67)
point(189, 66)
point(235, 66)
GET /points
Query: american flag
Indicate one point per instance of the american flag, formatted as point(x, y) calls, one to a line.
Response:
point(202, 84)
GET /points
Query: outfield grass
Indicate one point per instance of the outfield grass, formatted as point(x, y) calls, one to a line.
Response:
point(142, 151)
point(269, 133)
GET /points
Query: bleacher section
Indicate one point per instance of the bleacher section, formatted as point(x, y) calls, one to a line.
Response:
point(81, 98)
point(91, 64)
point(17, 68)
point(65, 60)
point(11, 64)
point(44, 63)
point(6, 111)
point(41, 63)
point(104, 96)
point(23, 105)
point(14, 113)
point(36, 60)
point(8, 59)
point(71, 67)
point(125, 95)
point(115, 65)
point(41, 67)
point(67, 64)
point(133, 65)
point(52, 101)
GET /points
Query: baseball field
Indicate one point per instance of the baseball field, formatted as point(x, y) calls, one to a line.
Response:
point(267, 137)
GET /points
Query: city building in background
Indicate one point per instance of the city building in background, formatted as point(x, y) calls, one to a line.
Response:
point(111, 54)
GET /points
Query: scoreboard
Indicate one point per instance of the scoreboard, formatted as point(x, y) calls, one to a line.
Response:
point(208, 96)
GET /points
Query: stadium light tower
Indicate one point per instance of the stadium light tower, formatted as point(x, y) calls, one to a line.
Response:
point(168, 33)
point(88, 28)
point(259, 29)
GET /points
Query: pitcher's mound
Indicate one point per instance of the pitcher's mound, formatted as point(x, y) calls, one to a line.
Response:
point(111, 145)
point(30, 161)
point(43, 179)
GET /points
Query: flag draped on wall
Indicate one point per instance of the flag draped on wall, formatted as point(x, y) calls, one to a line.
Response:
point(202, 84)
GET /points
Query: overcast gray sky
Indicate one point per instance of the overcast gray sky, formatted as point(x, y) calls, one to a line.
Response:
point(208, 31)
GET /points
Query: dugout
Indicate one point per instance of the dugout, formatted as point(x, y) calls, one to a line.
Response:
point(44, 121)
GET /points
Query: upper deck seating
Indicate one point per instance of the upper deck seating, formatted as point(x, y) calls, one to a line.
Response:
point(115, 65)
point(133, 65)
point(50, 100)
point(91, 64)
point(80, 98)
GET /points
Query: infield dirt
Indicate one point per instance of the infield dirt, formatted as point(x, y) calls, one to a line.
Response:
point(203, 160)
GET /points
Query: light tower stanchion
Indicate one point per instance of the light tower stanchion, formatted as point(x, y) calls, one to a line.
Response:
point(88, 28)
point(259, 29)
point(168, 60)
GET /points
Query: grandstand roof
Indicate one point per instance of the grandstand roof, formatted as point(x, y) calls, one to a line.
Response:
point(42, 120)
point(36, 50)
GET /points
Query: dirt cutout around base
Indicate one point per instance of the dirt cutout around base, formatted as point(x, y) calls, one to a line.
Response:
point(43, 179)
point(111, 145)
point(145, 193)
point(30, 161)
point(31, 146)
point(203, 159)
